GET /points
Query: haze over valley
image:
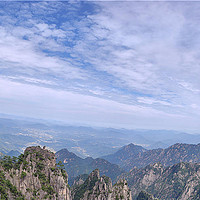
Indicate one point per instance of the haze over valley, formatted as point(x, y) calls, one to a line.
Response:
point(84, 141)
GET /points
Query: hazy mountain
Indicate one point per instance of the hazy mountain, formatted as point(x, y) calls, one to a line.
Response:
point(126, 152)
point(169, 156)
point(19, 133)
point(75, 165)
point(13, 153)
point(10, 153)
point(180, 181)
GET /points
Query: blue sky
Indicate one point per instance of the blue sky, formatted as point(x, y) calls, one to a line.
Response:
point(116, 64)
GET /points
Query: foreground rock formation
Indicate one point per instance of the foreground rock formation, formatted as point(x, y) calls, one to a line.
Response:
point(35, 175)
point(100, 188)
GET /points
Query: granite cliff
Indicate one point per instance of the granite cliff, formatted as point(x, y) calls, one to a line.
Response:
point(180, 181)
point(97, 187)
point(34, 175)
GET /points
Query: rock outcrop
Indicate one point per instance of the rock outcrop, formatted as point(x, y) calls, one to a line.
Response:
point(100, 188)
point(180, 181)
point(121, 190)
point(36, 175)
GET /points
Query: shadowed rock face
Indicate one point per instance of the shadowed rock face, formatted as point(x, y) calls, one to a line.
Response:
point(37, 176)
point(100, 188)
point(145, 196)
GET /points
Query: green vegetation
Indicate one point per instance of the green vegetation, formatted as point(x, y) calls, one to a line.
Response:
point(145, 196)
point(106, 179)
point(9, 163)
point(23, 174)
point(120, 183)
point(87, 185)
point(6, 186)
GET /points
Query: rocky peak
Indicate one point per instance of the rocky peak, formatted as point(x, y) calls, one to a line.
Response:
point(67, 157)
point(37, 175)
point(125, 153)
point(94, 175)
point(121, 190)
point(38, 152)
point(100, 188)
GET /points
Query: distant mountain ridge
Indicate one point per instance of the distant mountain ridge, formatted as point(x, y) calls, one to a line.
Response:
point(10, 153)
point(126, 152)
point(74, 165)
point(139, 157)
point(13, 153)
point(19, 133)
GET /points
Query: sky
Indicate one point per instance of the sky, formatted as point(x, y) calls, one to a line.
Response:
point(112, 64)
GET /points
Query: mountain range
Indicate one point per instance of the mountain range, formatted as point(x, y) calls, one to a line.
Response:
point(153, 166)
point(131, 156)
point(18, 133)
point(35, 175)
point(74, 165)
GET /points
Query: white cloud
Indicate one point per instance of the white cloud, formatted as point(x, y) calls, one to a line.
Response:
point(73, 107)
point(141, 46)
point(189, 87)
point(140, 58)
point(24, 57)
point(150, 101)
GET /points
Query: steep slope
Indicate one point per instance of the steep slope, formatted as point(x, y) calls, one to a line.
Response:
point(180, 181)
point(8, 190)
point(126, 152)
point(75, 165)
point(145, 196)
point(169, 156)
point(96, 187)
point(36, 175)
